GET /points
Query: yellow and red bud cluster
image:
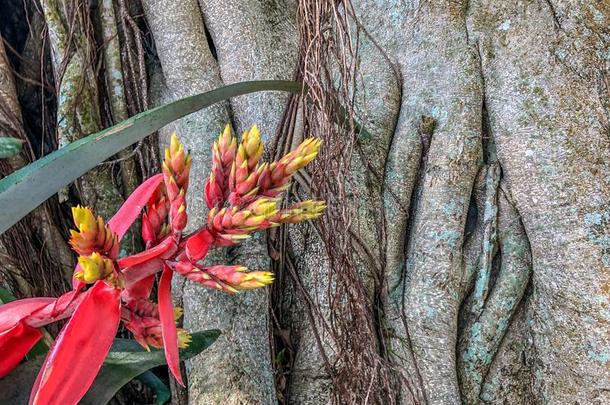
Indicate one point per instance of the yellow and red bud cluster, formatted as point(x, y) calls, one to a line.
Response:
point(245, 171)
point(230, 279)
point(96, 245)
point(296, 160)
point(141, 317)
point(231, 225)
point(251, 188)
point(250, 150)
point(270, 179)
point(299, 212)
point(154, 220)
point(176, 169)
point(177, 163)
point(92, 235)
point(184, 338)
point(148, 333)
point(223, 157)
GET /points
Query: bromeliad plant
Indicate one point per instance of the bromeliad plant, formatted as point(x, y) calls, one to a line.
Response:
point(242, 195)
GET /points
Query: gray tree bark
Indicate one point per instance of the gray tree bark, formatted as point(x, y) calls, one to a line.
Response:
point(490, 123)
point(501, 111)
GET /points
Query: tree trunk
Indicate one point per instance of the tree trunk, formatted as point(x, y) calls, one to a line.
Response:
point(465, 253)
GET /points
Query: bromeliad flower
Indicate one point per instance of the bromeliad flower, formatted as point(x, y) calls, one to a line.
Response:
point(93, 235)
point(243, 195)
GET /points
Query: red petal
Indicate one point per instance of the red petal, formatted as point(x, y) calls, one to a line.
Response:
point(61, 308)
point(168, 324)
point(15, 343)
point(139, 289)
point(197, 246)
point(15, 311)
point(136, 273)
point(80, 348)
point(167, 245)
point(130, 210)
point(148, 231)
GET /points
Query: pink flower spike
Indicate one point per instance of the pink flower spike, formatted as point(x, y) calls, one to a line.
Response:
point(168, 323)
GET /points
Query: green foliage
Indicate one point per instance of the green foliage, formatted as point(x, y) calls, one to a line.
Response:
point(9, 147)
point(162, 393)
point(5, 296)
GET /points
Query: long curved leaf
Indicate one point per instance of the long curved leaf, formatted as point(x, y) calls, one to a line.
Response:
point(126, 360)
point(28, 187)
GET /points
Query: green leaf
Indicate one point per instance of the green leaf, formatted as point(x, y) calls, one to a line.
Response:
point(162, 392)
point(30, 186)
point(9, 147)
point(125, 361)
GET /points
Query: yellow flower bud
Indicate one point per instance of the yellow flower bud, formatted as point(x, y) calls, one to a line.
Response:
point(84, 219)
point(93, 267)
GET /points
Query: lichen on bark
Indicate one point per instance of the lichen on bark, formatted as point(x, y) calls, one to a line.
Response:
point(78, 110)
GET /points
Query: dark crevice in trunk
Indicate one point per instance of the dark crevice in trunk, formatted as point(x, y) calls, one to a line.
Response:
point(556, 20)
point(210, 41)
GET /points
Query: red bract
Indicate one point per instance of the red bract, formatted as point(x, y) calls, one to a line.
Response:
point(19, 323)
point(80, 348)
point(133, 275)
point(16, 311)
point(198, 245)
point(15, 343)
point(243, 196)
point(132, 208)
point(168, 325)
point(163, 250)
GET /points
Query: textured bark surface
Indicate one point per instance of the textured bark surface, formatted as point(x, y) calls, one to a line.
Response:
point(78, 109)
point(477, 203)
point(489, 124)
